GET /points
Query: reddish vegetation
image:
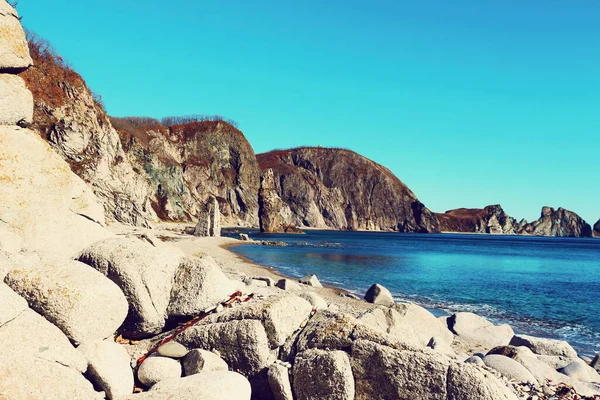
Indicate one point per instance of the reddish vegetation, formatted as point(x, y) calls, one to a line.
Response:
point(135, 129)
point(188, 131)
point(461, 219)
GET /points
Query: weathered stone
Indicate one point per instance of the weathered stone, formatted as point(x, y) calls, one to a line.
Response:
point(388, 320)
point(509, 368)
point(468, 382)
point(108, 367)
point(145, 275)
point(48, 206)
point(270, 281)
point(199, 283)
point(242, 344)
point(83, 303)
point(315, 300)
point(556, 362)
point(541, 371)
point(9, 241)
point(288, 284)
point(16, 102)
point(542, 346)
point(208, 385)
point(209, 223)
point(281, 315)
point(475, 360)
point(12, 304)
point(322, 374)
point(279, 382)
point(382, 372)
point(172, 349)
point(596, 362)
point(157, 369)
point(378, 294)
point(311, 280)
point(38, 362)
point(424, 324)
point(581, 371)
point(270, 206)
point(479, 330)
point(244, 237)
point(198, 360)
point(14, 52)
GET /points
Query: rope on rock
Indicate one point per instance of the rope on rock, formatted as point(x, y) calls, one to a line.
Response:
point(233, 299)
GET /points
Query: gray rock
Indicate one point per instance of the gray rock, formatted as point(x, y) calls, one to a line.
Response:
point(14, 52)
point(108, 367)
point(156, 369)
point(581, 371)
point(479, 330)
point(172, 349)
point(37, 361)
point(12, 304)
point(378, 294)
point(16, 102)
point(145, 275)
point(270, 282)
point(542, 346)
point(389, 321)
point(381, 372)
point(467, 382)
point(556, 362)
point(242, 344)
point(509, 368)
point(209, 222)
point(208, 385)
point(281, 315)
point(279, 382)
point(244, 237)
point(311, 280)
point(475, 360)
point(199, 283)
point(596, 362)
point(315, 300)
point(424, 324)
point(198, 360)
point(82, 302)
point(322, 374)
point(288, 284)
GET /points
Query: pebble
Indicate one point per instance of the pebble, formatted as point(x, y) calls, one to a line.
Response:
point(172, 350)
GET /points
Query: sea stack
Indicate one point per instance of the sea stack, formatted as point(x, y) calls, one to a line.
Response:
point(269, 205)
point(209, 223)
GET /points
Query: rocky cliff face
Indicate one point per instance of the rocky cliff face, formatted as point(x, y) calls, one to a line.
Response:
point(491, 219)
point(596, 232)
point(339, 189)
point(187, 163)
point(559, 222)
point(74, 123)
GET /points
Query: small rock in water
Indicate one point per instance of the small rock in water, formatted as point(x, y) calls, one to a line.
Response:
point(172, 350)
point(244, 237)
point(311, 280)
point(378, 294)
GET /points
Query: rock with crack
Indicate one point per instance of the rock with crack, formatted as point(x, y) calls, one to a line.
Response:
point(16, 101)
point(80, 301)
point(209, 223)
point(144, 273)
point(279, 382)
point(544, 346)
point(478, 330)
point(198, 360)
point(14, 52)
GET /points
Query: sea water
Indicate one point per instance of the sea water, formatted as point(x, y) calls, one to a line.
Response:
point(543, 286)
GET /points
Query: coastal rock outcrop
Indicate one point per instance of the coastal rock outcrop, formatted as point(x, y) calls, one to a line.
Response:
point(14, 53)
point(596, 232)
point(272, 211)
point(491, 219)
point(339, 189)
point(209, 222)
point(559, 222)
point(189, 159)
point(16, 107)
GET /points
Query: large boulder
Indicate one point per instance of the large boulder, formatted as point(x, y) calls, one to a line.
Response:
point(425, 325)
point(388, 320)
point(509, 368)
point(378, 294)
point(322, 374)
point(12, 304)
point(38, 362)
point(279, 382)
point(199, 283)
point(16, 101)
point(243, 344)
point(524, 356)
point(108, 367)
point(144, 273)
point(467, 382)
point(548, 347)
point(382, 372)
point(203, 386)
point(315, 300)
point(83, 303)
point(581, 371)
point(478, 330)
point(14, 52)
point(48, 206)
point(281, 315)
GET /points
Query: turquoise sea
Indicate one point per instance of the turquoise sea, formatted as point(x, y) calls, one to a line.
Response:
point(543, 286)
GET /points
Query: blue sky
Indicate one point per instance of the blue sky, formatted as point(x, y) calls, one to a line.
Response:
point(469, 102)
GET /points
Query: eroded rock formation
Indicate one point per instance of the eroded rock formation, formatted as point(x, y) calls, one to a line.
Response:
point(334, 188)
point(491, 219)
point(559, 222)
point(272, 211)
point(596, 231)
point(209, 222)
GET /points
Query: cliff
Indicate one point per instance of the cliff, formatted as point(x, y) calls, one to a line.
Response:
point(73, 121)
point(596, 232)
point(491, 219)
point(339, 189)
point(188, 162)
